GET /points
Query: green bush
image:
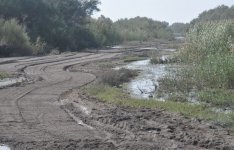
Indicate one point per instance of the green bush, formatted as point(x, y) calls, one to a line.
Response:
point(118, 77)
point(218, 97)
point(142, 29)
point(206, 39)
point(13, 39)
point(39, 47)
point(209, 51)
point(4, 75)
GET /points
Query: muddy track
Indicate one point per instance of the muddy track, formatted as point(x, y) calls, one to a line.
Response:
point(50, 114)
point(32, 112)
point(130, 128)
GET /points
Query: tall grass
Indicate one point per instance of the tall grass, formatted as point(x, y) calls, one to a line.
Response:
point(206, 39)
point(209, 53)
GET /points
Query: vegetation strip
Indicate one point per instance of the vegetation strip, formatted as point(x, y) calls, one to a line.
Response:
point(116, 96)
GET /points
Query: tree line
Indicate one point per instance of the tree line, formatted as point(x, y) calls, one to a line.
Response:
point(217, 14)
point(36, 27)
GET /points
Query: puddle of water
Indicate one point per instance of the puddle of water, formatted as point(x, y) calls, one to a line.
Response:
point(11, 81)
point(149, 48)
point(4, 147)
point(117, 47)
point(145, 85)
point(220, 110)
point(180, 38)
point(170, 50)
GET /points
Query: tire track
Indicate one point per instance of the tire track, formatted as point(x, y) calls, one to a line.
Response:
point(63, 68)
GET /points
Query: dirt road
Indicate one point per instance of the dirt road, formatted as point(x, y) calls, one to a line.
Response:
point(43, 115)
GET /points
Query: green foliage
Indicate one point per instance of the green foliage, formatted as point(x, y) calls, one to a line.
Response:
point(104, 31)
point(67, 25)
point(208, 38)
point(179, 28)
point(215, 72)
point(118, 77)
point(218, 97)
point(142, 29)
point(117, 96)
point(4, 75)
point(13, 39)
point(207, 62)
point(220, 13)
point(210, 52)
point(39, 47)
point(59, 23)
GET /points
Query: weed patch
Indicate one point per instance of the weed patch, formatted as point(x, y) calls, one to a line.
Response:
point(4, 75)
point(118, 77)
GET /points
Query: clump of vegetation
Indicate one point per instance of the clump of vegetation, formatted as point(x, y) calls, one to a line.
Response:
point(219, 13)
point(104, 32)
point(39, 47)
point(179, 28)
point(14, 39)
point(209, 53)
point(218, 97)
point(68, 26)
point(61, 24)
point(142, 29)
point(207, 61)
point(4, 75)
point(118, 77)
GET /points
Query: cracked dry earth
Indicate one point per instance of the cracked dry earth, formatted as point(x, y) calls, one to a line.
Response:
point(48, 114)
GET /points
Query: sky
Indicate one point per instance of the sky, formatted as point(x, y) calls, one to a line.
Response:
point(162, 10)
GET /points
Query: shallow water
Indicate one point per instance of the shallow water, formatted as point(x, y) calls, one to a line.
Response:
point(4, 147)
point(117, 47)
point(149, 48)
point(146, 84)
point(11, 81)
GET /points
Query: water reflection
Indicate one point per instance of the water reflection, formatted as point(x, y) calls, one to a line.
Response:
point(146, 84)
point(4, 147)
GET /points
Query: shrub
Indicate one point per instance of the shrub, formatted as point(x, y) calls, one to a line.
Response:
point(13, 39)
point(4, 75)
point(209, 53)
point(39, 47)
point(207, 65)
point(118, 77)
point(206, 39)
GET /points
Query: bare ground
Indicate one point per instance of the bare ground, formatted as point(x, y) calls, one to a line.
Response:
point(48, 114)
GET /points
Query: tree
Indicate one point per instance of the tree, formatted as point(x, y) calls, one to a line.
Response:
point(104, 31)
point(179, 28)
point(142, 28)
point(56, 21)
point(219, 13)
point(14, 40)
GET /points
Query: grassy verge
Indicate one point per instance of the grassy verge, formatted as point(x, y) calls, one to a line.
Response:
point(117, 96)
point(218, 97)
point(4, 75)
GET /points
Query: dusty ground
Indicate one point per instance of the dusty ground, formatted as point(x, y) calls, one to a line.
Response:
point(47, 114)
